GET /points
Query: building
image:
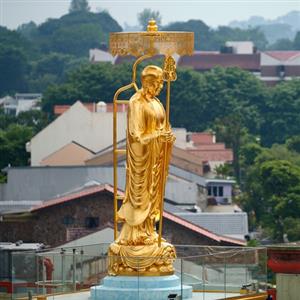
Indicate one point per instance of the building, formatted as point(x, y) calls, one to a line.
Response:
point(271, 67)
point(100, 55)
point(219, 191)
point(29, 187)
point(20, 103)
point(204, 145)
point(277, 66)
point(62, 219)
point(78, 129)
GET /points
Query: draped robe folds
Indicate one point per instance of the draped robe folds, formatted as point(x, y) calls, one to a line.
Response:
point(137, 244)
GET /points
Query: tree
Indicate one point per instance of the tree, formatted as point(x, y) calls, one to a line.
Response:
point(13, 66)
point(202, 33)
point(28, 30)
point(12, 145)
point(76, 33)
point(146, 15)
point(297, 41)
point(79, 6)
point(272, 190)
point(293, 144)
point(281, 113)
point(88, 83)
point(282, 44)
point(35, 119)
point(209, 39)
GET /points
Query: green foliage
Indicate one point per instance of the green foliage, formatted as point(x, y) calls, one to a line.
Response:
point(293, 144)
point(74, 33)
point(14, 53)
point(224, 34)
point(249, 152)
point(253, 243)
point(272, 190)
point(12, 145)
point(89, 83)
point(51, 69)
point(292, 228)
point(209, 39)
point(202, 33)
point(297, 41)
point(35, 119)
point(6, 120)
point(28, 30)
point(146, 15)
point(79, 6)
point(282, 44)
point(224, 171)
point(15, 132)
point(276, 31)
point(13, 65)
point(278, 176)
point(281, 112)
point(14, 39)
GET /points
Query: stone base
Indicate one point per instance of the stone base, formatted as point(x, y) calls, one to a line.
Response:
point(140, 288)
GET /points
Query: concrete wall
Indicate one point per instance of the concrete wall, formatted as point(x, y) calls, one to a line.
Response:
point(92, 130)
point(43, 183)
point(69, 155)
point(288, 286)
point(47, 226)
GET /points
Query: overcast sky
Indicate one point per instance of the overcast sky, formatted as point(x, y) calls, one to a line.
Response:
point(212, 12)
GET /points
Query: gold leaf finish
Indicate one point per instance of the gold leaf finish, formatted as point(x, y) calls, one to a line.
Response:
point(139, 248)
point(152, 42)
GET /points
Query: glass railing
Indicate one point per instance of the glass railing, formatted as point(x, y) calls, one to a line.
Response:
point(212, 272)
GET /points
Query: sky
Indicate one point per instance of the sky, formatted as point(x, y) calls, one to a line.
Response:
point(213, 12)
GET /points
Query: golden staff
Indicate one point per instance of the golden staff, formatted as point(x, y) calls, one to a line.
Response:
point(169, 74)
point(145, 45)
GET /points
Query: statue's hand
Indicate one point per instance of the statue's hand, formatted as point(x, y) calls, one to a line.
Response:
point(167, 136)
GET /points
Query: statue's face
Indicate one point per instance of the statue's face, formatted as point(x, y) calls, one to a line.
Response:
point(154, 86)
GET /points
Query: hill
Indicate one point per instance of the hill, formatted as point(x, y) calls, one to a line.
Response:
point(74, 33)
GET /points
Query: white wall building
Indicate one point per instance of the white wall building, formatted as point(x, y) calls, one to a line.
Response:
point(241, 47)
point(93, 130)
point(20, 103)
point(98, 55)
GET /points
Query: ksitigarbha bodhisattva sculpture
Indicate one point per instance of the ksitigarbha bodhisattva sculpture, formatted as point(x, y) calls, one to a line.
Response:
point(138, 248)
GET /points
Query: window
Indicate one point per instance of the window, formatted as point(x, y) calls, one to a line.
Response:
point(91, 222)
point(209, 191)
point(215, 191)
point(221, 192)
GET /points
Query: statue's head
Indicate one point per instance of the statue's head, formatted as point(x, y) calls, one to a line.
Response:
point(152, 80)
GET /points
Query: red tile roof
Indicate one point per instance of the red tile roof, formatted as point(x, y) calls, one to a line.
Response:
point(210, 147)
point(202, 231)
point(75, 195)
point(60, 109)
point(202, 137)
point(283, 55)
point(207, 61)
point(213, 155)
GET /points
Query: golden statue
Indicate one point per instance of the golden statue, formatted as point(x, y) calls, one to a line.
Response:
point(138, 249)
point(147, 140)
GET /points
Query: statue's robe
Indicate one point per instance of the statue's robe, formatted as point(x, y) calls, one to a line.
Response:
point(144, 185)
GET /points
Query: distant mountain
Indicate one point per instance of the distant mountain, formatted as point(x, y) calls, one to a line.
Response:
point(285, 26)
point(292, 19)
